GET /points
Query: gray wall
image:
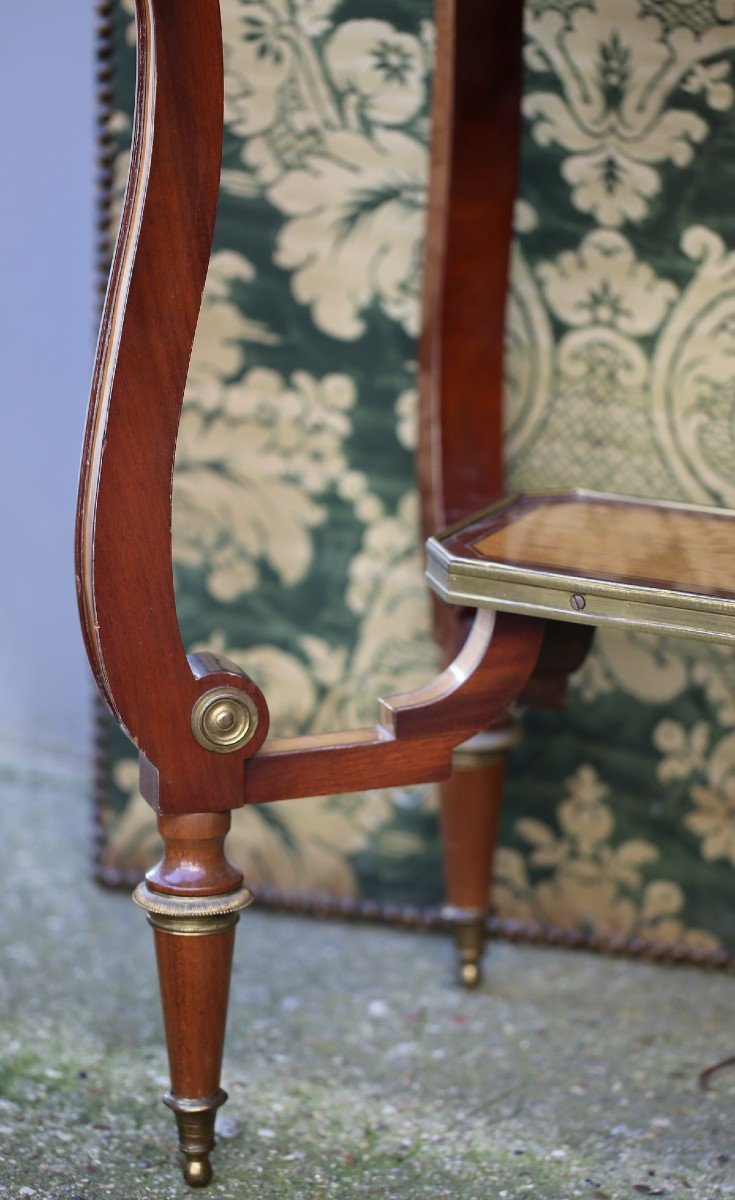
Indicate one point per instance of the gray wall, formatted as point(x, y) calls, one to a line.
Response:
point(46, 342)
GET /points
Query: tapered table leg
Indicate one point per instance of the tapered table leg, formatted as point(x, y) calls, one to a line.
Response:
point(471, 807)
point(193, 899)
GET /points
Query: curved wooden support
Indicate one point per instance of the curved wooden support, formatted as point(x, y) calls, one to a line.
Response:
point(416, 732)
point(475, 150)
point(474, 156)
point(124, 570)
point(124, 542)
point(564, 649)
point(197, 720)
point(194, 719)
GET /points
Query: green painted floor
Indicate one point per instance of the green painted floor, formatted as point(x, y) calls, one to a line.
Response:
point(355, 1068)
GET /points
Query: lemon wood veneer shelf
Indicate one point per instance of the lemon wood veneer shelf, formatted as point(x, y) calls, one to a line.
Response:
point(596, 558)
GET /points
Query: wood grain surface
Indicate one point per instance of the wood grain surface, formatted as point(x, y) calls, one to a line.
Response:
point(413, 739)
point(474, 161)
point(627, 542)
point(124, 568)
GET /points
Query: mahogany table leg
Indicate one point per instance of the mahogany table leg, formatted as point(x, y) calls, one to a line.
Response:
point(193, 899)
point(471, 805)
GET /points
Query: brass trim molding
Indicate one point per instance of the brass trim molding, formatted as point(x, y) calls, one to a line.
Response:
point(192, 916)
point(547, 594)
point(592, 601)
point(197, 1105)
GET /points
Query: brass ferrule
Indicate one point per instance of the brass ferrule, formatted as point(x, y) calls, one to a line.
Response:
point(469, 935)
point(195, 1123)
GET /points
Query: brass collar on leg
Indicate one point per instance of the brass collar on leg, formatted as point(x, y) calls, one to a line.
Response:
point(192, 916)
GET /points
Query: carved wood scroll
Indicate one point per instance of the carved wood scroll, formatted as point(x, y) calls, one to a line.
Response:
point(124, 568)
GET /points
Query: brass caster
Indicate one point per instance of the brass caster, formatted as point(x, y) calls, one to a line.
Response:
point(468, 925)
point(197, 1170)
point(195, 1121)
point(469, 975)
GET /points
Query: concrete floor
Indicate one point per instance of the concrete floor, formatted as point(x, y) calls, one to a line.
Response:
point(355, 1067)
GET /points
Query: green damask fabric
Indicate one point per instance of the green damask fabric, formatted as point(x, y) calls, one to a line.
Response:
point(295, 533)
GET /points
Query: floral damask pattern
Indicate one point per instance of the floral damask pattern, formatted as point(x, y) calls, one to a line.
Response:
point(334, 134)
point(692, 375)
point(235, 511)
point(620, 75)
point(295, 526)
point(587, 881)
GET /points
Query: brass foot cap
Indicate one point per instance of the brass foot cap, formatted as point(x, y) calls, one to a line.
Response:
point(470, 975)
point(198, 1170)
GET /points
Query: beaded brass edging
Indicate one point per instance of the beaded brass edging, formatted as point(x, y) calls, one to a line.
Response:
point(192, 916)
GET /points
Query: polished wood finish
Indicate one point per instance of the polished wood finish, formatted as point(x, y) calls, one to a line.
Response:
point(124, 546)
point(194, 862)
point(474, 160)
point(620, 540)
point(470, 808)
point(563, 652)
point(595, 559)
point(415, 734)
point(124, 570)
point(470, 815)
point(194, 958)
point(471, 800)
point(194, 976)
point(124, 567)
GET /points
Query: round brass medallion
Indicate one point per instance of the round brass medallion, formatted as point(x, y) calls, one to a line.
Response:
point(224, 719)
